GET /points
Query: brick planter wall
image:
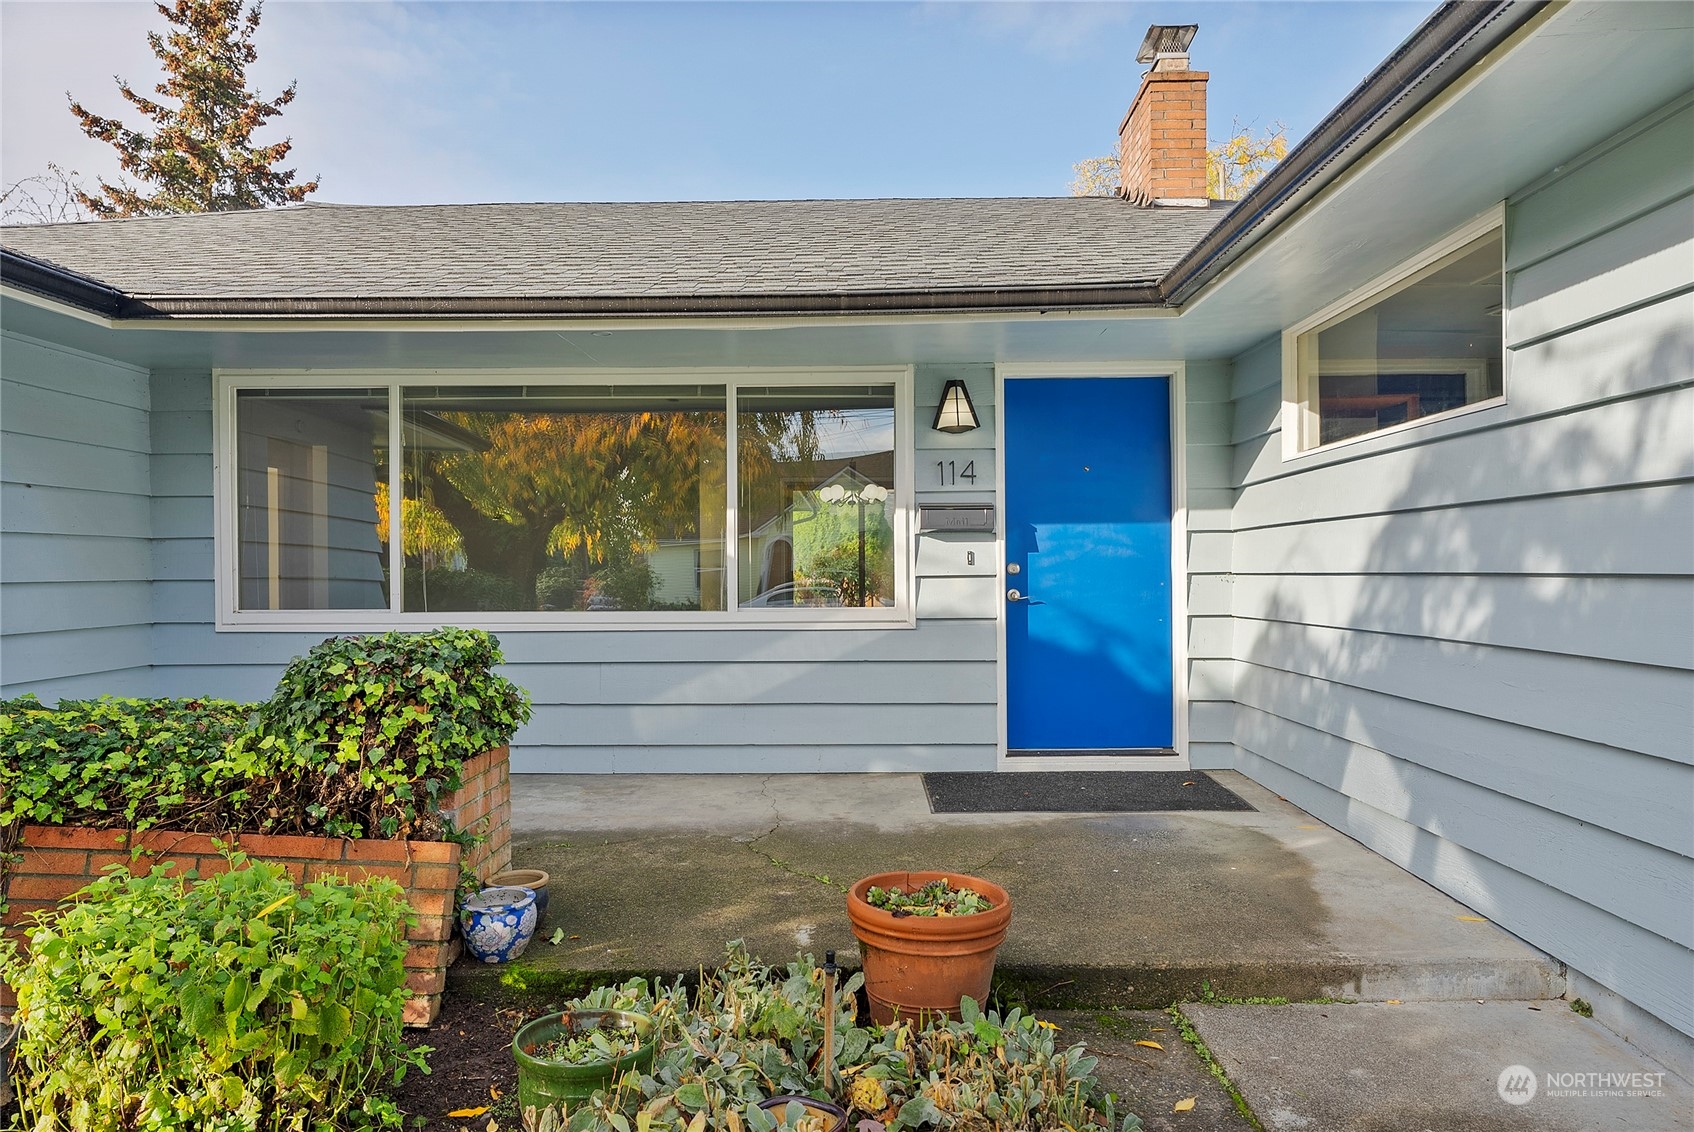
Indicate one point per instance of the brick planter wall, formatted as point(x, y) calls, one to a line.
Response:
point(483, 805)
point(59, 860)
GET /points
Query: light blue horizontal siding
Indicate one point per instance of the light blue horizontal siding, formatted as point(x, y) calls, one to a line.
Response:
point(806, 758)
point(1628, 877)
point(1637, 620)
point(75, 523)
point(36, 660)
point(1625, 791)
point(1606, 189)
point(1209, 502)
point(1470, 645)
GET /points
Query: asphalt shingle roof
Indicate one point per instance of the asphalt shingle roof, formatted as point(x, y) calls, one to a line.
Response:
point(628, 251)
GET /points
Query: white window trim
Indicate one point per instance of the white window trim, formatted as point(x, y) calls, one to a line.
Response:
point(1300, 423)
point(225, 503)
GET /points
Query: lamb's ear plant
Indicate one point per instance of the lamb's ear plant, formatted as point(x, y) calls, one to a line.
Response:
point(236, 1002)
point(754, 1031)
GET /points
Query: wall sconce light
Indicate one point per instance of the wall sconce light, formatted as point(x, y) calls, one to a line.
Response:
point(955, 413)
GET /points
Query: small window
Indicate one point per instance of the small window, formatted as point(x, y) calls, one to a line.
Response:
point(1428, 343)
point(817, 497)
point(311, 483)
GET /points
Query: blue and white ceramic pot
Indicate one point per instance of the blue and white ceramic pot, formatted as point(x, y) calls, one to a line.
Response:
point(499, 923)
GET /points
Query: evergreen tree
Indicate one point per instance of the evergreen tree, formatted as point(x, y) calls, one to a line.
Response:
point(199, 156)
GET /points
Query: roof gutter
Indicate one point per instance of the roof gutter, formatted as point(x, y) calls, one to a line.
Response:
point(42, 278)
point(636, 306)
point(1446, 45)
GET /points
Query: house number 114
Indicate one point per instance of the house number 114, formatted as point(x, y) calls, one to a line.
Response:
point(950, 473)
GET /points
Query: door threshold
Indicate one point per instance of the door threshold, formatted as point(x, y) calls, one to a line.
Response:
point(1101, 753)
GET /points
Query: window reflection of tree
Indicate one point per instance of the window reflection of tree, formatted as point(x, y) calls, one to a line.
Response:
point(582, 490)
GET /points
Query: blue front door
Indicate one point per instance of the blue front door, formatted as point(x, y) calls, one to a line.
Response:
point(1088, 564)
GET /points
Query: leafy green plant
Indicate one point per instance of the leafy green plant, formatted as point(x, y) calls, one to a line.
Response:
point(937, 898)
point(467, 590)
point(236, 1002)
point(628, 582)
point(379, 725)
point(558, 587)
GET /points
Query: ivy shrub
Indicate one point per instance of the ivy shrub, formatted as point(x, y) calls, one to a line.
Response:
point(94, 762)
point(236, 1002)
point(362, 738)
point(376, 727)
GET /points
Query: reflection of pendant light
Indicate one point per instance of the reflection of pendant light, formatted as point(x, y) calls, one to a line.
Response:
point(955, 413)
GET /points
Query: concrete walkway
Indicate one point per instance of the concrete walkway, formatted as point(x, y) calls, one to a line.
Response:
point(1114, 917)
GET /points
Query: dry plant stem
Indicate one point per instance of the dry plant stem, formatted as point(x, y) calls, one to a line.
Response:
point(829, 1023)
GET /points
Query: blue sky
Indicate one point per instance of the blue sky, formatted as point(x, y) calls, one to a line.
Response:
point(456, 101)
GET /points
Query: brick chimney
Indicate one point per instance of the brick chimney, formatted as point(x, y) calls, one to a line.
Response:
point(1162, 141)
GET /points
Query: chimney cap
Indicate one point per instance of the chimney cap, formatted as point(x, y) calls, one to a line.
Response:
point(1166, 39)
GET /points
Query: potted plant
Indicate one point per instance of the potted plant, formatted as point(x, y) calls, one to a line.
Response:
point(565, 1058)
point(926, 940)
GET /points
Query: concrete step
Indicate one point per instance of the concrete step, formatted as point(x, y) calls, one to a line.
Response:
point(1451, 1066)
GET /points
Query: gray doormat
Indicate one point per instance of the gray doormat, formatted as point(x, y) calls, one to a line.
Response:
point(1077, 792)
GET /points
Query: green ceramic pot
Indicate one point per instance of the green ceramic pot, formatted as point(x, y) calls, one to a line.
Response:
point(547, 1082)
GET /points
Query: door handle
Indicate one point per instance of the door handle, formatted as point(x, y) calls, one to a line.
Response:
point(1013, 595)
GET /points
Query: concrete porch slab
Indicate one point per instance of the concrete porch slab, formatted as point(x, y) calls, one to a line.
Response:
point(655, 873)
point(1372, 1067)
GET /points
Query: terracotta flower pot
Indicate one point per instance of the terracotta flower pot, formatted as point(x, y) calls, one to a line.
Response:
point(917, 966)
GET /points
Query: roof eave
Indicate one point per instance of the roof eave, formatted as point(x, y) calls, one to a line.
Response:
point(50, 281)
point(161, 308)
point(1444, 47)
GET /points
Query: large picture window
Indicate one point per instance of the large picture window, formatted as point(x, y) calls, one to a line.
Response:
point(535, 499)
point(1426, 342)
point(540, 502)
